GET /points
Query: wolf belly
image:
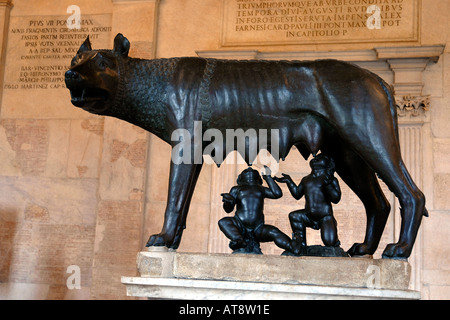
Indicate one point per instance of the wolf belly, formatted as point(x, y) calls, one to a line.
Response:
point(280, 96)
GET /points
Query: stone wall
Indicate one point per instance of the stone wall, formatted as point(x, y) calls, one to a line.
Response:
point(87, 191)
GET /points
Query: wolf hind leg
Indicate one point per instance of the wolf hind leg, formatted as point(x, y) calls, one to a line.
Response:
point(362, 180)
point(412, 202)
point(382, 155)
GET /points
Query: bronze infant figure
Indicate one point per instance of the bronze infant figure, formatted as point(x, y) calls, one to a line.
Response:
point(247, 228)
point(340, 109)
point(320, 189)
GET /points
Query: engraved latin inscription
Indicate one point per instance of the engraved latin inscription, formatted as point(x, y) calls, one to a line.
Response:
point(326, 21)
point(41, 48)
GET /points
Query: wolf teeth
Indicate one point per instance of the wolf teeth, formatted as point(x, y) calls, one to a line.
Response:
point(76, 93)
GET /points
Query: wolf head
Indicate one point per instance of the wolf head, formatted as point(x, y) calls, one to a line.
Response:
point(93, 78)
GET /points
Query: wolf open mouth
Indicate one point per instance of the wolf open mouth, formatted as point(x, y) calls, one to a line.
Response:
point(81, 96)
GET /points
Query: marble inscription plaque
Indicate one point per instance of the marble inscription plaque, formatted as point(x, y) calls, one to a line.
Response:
point(271, 22)
point(39, 52)
point(40, 48)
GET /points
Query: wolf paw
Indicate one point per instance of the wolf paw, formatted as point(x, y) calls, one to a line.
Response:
point(398, 251)
point(159, 240)
point(360, 249)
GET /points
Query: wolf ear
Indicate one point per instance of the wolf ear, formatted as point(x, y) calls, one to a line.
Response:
point(121, 45)
point(86, 46)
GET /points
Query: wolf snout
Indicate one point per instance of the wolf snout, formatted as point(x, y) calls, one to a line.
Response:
point(72, 77)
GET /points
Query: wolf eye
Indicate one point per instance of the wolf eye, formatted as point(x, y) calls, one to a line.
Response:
point(73, 62)
point(102, 64)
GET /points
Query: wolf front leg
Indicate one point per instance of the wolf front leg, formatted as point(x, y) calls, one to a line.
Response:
point(183, 178)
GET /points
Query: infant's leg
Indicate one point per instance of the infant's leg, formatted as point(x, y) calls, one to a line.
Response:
point(328, 231)
point(266, 233)
point(232, 231)
point(299, 221)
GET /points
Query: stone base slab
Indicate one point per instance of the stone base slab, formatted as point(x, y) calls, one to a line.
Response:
point(170, 288)
point(173, 275)
point(346, 272)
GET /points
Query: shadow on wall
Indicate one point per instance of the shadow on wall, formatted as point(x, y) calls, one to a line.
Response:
point(32, 268)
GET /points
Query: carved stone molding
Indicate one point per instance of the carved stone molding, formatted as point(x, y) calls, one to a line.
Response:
point(6, 3)
point(412, 106)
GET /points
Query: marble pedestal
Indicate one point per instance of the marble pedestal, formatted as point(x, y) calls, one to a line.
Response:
point(173, 275)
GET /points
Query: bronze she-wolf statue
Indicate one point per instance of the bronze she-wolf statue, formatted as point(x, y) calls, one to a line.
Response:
point(344, 111)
